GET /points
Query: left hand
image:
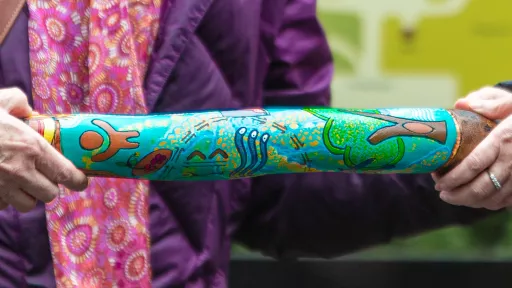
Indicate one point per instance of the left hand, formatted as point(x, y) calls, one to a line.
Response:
point(470, 183)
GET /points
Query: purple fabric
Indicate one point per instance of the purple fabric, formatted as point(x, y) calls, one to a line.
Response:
point(230, 54)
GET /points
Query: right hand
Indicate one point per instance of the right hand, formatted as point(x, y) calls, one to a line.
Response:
point(30, 168)
point(470, 184)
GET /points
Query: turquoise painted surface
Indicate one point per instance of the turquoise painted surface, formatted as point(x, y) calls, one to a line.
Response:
point(214, 145)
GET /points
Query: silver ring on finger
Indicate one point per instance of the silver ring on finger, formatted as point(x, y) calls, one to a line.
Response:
point(494, 180)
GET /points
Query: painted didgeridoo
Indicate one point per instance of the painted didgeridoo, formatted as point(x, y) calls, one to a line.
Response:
point(230, 144)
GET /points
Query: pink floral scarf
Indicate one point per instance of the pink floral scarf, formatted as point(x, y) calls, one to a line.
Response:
point(90, 56)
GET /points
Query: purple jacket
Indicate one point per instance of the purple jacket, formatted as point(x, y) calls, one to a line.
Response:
point(231, 54)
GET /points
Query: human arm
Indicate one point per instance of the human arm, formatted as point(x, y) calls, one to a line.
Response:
point(330, 214)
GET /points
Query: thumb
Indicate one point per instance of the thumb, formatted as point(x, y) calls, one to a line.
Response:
point(491, 102)
point(462, 104)
point(15, 102)
point(494, 109)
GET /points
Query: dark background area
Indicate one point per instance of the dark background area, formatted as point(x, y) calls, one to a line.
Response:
point(474, 256)
point(253, 273)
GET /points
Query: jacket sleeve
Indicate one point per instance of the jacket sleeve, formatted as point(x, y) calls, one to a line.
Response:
point(330, 214)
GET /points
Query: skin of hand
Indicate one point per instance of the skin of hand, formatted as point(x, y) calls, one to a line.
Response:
point(469, 184)
point(30, 168)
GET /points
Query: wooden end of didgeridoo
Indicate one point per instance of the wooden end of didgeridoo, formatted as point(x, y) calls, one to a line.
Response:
point(472, 128)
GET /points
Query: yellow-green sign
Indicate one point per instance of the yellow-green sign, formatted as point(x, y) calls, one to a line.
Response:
point(425, 53)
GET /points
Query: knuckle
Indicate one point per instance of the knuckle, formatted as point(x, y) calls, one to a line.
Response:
point(447, 180)
point(479, 193)
point(503, 105)
point(505, 173)
point(39, 151)
point(474, 163)
point(13, 168)
point(38, 145)
point(62, 175)
point(32, 152)
point(26, 146)
point(498, 108)
point(16, 172)
point(10, 95)
point(504, 137)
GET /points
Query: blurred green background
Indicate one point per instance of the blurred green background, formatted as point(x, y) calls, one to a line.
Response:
point(421, 53)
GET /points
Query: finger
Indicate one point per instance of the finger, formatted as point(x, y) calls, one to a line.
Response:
point(455, 198)
point(20, 200)
point(501, 170)
point(492, 109)
point(474, 194)
point(498, 106)
point(477, 161)
point(14, 101)
point(500, 199)
point(39, 187)
point(483, 100)
point(462, 104)
point(59, 169)
point(481, 192)
point(486, 93)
